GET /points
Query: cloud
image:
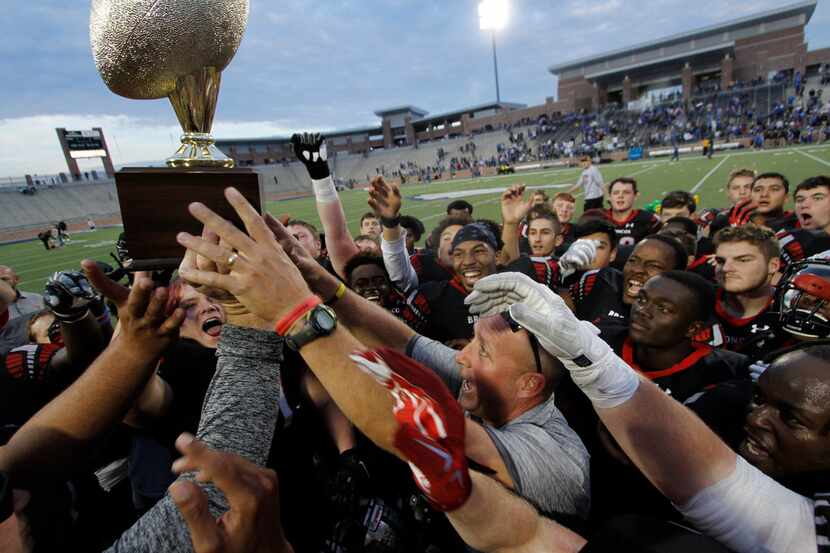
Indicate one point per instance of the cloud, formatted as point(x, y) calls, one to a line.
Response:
point(30, 144)
point(594, 9)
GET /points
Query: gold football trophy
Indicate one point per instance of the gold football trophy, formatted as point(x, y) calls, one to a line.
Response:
point(151, 49)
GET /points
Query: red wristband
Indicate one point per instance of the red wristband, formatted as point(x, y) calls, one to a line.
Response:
point(284, 324)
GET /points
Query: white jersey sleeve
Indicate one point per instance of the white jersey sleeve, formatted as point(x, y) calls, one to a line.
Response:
point(750, 512)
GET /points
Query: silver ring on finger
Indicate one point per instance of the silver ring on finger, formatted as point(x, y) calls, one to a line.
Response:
point(232, 259)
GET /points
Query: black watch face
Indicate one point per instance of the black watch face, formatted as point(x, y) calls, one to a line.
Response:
point(324, 320)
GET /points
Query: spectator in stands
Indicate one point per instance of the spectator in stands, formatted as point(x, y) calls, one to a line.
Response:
point(460, 209)
point(369, 225)
point(24, 302)
point(678, 203)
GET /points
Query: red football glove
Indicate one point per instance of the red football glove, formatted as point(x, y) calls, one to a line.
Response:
point(431, 425)
point(740, 213)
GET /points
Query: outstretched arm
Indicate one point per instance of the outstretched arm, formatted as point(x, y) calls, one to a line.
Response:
point(674, 449)
point(265, 281)
point(494, 520)
point(369, 323)
point(49, 442)
point(385, 201)
point(310, 149)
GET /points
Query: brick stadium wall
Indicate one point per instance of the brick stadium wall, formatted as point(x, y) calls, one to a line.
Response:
point(19, 235)
point(775, 51)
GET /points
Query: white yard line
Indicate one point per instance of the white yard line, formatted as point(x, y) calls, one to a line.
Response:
point(814, 158)
point(709, 174)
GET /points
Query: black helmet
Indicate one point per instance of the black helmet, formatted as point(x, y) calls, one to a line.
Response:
point(803, 297)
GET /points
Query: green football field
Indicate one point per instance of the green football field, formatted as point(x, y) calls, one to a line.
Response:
point(655, 177)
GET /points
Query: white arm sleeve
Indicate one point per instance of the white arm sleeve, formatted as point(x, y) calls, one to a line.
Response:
point(750, 512)
point(400, 269)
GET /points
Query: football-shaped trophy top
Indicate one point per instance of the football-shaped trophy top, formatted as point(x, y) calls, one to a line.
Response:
point(141, 47)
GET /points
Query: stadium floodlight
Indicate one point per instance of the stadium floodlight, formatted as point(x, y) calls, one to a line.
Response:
point(493, 16)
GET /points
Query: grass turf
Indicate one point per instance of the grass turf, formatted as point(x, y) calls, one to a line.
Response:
point(655, 177)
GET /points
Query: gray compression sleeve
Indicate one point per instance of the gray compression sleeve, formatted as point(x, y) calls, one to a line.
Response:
point(238, 416)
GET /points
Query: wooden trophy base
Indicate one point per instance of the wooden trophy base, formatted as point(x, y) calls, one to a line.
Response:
point(154, 204)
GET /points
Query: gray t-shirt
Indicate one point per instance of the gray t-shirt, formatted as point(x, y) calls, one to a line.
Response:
point(238, 416)
point(26, 302)
point(591, 182)
point(547, 461)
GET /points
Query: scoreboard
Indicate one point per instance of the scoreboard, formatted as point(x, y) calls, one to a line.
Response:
point(84, 144)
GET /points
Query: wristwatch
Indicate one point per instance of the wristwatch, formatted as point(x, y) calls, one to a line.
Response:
point(321, 321)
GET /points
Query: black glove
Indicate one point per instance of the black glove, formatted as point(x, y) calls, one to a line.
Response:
point(310, 148)
point(348, 483)
point(69, 295)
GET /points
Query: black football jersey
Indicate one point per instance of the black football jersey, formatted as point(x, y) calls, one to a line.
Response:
point(429, 269)
point(440, 308)
point(799, 244)
point(635, 227)
point(702, 368)
point(737, 332)
point(597, 297)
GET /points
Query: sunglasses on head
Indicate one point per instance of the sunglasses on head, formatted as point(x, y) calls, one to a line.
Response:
point(534, 342)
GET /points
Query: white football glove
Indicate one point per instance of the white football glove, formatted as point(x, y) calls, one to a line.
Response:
point(578, 257)
point(538, 309)
point(602, 376)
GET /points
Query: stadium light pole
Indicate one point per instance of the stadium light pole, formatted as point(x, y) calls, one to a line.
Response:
point(492, 16)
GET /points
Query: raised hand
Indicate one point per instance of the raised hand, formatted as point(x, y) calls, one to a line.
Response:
point(251, 525)
point(146, 330)
point(514, 207)
point(579, 256)
point(431, 425)
point(109, 288)
point(741, 212)
point(536, 308)
point(252, 267)
point(69, 295)
point(310, 149)
point(384, 198)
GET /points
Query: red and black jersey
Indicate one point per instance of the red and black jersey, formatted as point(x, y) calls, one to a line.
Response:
point(737, 332)
point(784, 222)
point(28, 382)
point(441, 312)
point(799, 244)
point(702, 368)
point(396, 304)
point(429, 269)
point(635, 227)
point(597, 297)
point(544, 270)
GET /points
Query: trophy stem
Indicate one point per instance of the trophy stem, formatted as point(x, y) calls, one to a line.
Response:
point(194, 101)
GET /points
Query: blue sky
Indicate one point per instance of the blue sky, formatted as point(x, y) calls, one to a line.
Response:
point(322, 65)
